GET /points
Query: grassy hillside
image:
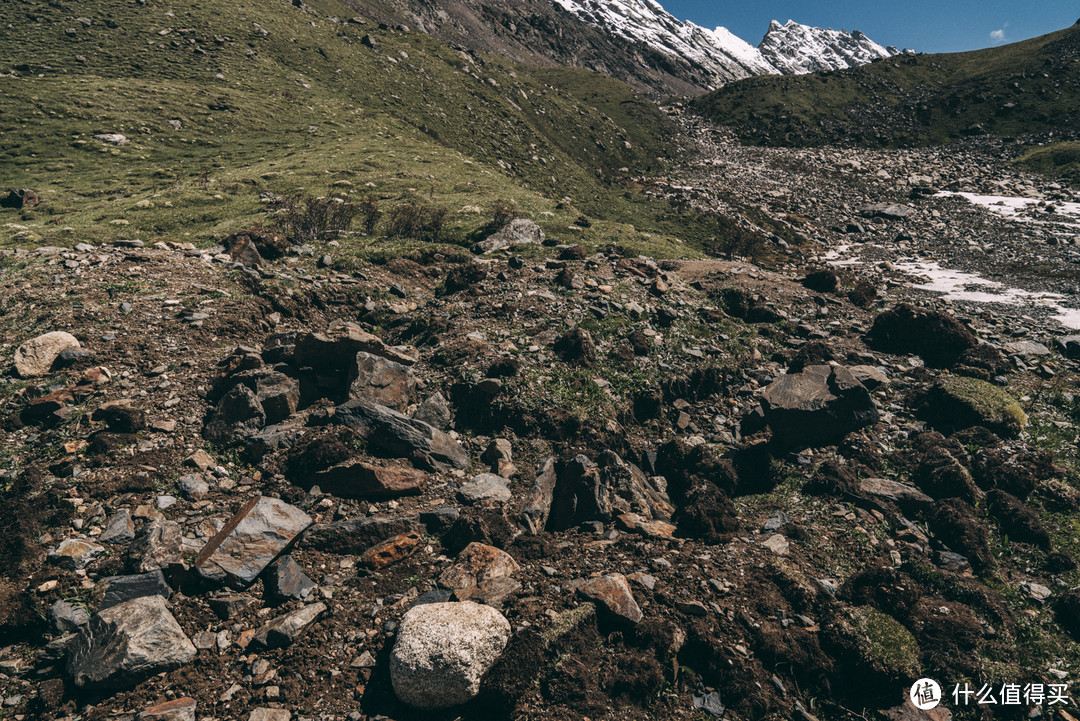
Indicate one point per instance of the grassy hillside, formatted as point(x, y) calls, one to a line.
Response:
point(222, 101)
point(1031, 87)
point(1060, 160)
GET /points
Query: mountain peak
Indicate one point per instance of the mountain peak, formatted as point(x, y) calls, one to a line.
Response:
point(796, 49)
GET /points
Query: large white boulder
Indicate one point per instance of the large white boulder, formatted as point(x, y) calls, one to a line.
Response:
point(443, 650)
point(35, 357)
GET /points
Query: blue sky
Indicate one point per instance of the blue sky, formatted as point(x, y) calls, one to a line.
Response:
point(925, 25)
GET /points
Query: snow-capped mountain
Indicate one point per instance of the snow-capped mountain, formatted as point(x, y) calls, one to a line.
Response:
point(719, 52)
point(786, 49)
point(636, 41)
point(795, 49)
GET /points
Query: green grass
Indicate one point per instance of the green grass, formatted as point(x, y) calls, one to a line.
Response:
point(271, 98)
point(1009, 91)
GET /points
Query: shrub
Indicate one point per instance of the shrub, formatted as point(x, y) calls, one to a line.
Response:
point(307, 218)
point(415, 219)
point(502, 212)
point(369, 213)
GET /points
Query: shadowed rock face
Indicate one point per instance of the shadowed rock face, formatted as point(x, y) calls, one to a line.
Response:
point(818, 406)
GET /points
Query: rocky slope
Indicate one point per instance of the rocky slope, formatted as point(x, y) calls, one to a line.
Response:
point(244, 487)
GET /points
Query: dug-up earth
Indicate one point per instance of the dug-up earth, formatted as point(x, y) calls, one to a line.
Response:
point(545, 482)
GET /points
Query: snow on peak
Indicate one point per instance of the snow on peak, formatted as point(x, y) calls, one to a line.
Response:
point(719, 53)
point(793, 48)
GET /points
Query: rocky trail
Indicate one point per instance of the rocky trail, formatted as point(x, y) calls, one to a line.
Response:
point(544, 481)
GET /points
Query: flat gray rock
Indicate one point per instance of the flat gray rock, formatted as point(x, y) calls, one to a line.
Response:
point(485, 487)
point(120, 589)
point(1027, 348)
point(386, 429)
point(283, 630)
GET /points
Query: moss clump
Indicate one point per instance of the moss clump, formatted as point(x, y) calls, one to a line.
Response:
point(955, 403)
point(884, 643)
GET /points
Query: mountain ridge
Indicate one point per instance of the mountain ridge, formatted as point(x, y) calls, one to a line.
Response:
point(635, 41)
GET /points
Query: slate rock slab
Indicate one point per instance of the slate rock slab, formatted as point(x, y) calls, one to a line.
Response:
point(259, 532)
point(392, 432)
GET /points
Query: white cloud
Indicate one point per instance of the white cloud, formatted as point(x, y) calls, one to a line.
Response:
point(999, 35)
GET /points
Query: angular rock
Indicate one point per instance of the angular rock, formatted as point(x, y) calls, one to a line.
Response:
point(159, 546)
point(392, 550)
point(435, 412)
point(888, 211)
point(612, 594)
point(484, 487)
point(35, 357)
point(442, 652)
point(259, 532)
point(74, 554)
point(67, 617)
point(539, 498)
point(286, 581)
point(360, 479)
point(128, 643)
point(193, 487)
point(238, 415)
point(516, 232)
point(284, 630)
point(901, 494)
point(870, 376)
point(386, 429)
point(587, 491)
point(777, 543)
point(121, 589)
point(336, 349)
point(278, 396)
point(355, 535)
point(1027, 348)
point(476, 565)
point(818, 406)
point(230, 606)
point(382, 381)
